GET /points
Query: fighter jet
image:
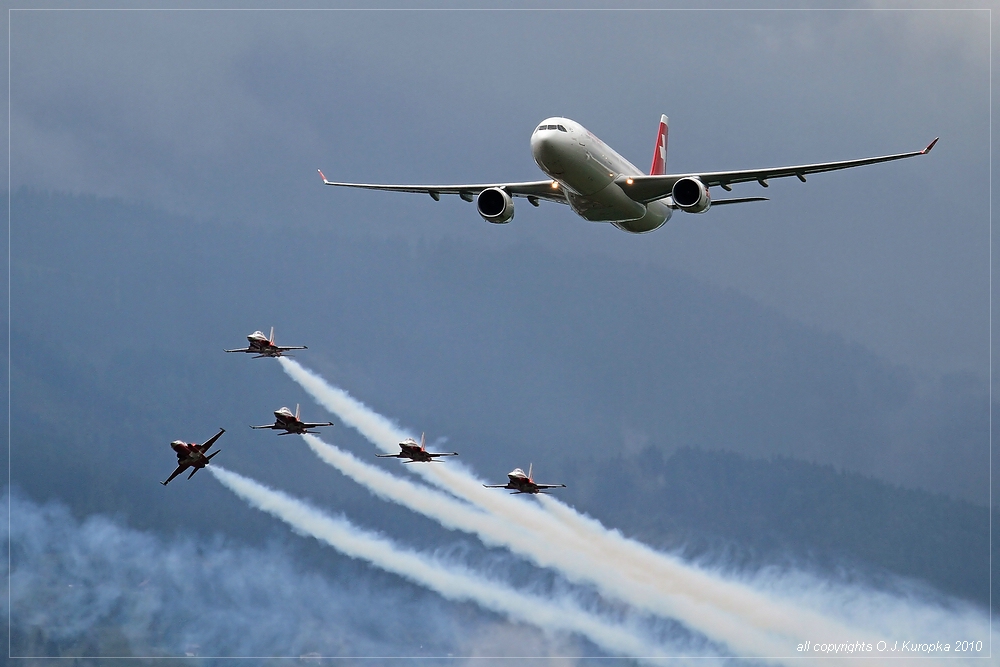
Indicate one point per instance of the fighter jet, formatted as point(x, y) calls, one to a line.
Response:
point(410, 449)
point(289, 423)
point(522, 483)
point(191, 455)
point(264, 346)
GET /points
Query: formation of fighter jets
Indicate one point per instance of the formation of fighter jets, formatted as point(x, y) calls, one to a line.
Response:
point(192, 455)
point(599, 185)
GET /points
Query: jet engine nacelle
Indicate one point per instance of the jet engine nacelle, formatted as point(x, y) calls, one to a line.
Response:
point(691, 195)
point(495, 205)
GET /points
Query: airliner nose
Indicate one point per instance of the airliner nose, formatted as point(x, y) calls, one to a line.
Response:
point(540, 142)
point(545, 150)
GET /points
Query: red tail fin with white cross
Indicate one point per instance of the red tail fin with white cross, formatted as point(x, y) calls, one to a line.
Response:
point(660, 154)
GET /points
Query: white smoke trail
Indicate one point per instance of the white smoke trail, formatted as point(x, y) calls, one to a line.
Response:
point(568, 556)
point(660, 592)
point(883, 615)
point(447, 579)
point(659, 572)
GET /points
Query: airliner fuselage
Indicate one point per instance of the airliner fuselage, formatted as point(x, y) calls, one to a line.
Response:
point(586, 169)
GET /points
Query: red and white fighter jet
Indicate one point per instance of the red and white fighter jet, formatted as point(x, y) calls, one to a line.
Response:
point(290, 423)
point(416, 452)
point(192, 455)
point(263, 346)
point(521, 483)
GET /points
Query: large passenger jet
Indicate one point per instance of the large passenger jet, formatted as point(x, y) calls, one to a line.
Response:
point(602, 186)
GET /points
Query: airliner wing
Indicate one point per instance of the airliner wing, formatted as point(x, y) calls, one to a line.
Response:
point(531, 190)
point(648, 188)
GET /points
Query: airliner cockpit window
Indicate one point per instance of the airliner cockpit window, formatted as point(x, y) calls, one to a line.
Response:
point(561, 128)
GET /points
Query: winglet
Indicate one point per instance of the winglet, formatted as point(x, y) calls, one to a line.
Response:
point(322, 176)
point(929, 146)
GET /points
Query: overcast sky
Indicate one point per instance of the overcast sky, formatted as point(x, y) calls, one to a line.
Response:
point(225, 115)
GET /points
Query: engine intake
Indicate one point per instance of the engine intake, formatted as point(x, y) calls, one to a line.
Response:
point(691, 195)
point(495, 205)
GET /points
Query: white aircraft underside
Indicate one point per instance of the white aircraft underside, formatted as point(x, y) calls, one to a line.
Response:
point(602, 186)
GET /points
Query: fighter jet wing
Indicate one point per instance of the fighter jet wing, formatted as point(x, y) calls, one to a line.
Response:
point(266, 426)
point(285, 348)
point(211, 441)
point(495, 486)
point(532, 190)
point(442, 453)
point(317, 424)
point(551, 486)
point(649, 188)
point(242, 349)
point(176, 472)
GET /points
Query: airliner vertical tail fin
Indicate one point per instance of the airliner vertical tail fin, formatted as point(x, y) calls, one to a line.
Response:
point(660, 153)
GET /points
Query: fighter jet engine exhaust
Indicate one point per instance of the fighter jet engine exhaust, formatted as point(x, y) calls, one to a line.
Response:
point(691, 195)
point(495, 205)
